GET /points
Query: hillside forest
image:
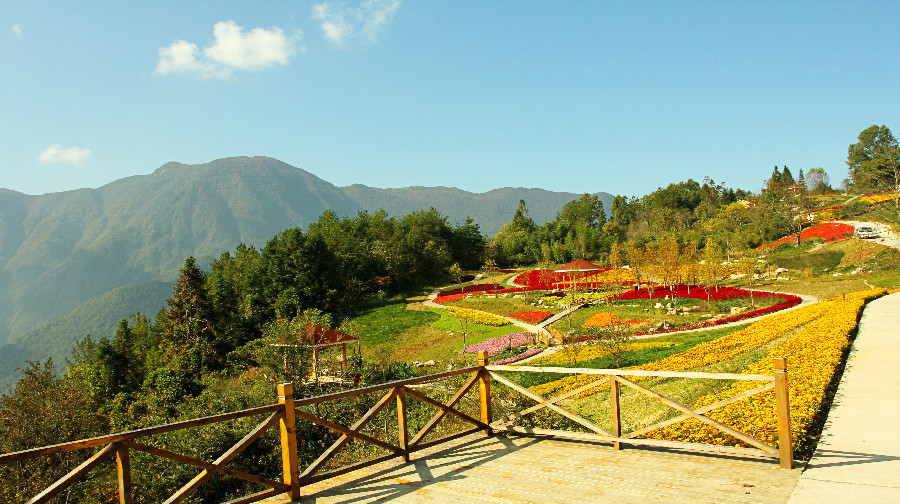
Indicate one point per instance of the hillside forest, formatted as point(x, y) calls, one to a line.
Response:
point(213, 347)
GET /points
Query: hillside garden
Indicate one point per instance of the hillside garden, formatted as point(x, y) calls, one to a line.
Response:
point(693, 277)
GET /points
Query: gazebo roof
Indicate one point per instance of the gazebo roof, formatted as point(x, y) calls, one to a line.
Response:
point(578, 265)
point(319, 337)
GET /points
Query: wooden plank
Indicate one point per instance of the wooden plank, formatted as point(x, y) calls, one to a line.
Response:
point(73, 475)
point(383, 386)
point(783, 411)
point(184, 459)
point(616, 414)
point(191, 486)
point(344, 430)
point(123, 474)
point(341, 441)
point(124, 436)
point(484, 393)
point(635, 372)
point(705, 419)
point(287, 429)
point(402, 428)
point(704, 409)
point(553, 400)
point(440, 414)
point(559, 409)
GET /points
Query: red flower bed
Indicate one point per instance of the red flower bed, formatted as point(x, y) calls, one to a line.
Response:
point(695, 292)
point(546, 278)
point(722, 293)
point(829, 231)
point(790, 300)
point(470, 289)
point(449, 299)
point(533, 316)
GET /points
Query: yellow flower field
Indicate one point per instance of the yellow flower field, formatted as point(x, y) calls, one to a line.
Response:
point(878, 198)
point(716, 350)
point(477, 317)
point(812, 355)
point(812, 339)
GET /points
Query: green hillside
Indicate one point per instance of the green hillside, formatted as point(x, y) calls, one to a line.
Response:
point(62, 249)
point(60, 252)
point(97, 317)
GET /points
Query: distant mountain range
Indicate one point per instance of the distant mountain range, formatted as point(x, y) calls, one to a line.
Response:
point(75, 262)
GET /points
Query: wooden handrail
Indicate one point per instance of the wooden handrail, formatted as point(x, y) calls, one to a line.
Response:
point(124, 436)
point(286, 412)
point(778, 381)
point(635, 372)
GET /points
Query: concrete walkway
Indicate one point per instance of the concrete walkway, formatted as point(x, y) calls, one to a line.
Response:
point(858, 457)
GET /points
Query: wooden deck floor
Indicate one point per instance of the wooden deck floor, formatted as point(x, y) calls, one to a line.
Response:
point(513, 469)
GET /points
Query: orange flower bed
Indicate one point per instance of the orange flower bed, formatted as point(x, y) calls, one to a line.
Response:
point(604, 319)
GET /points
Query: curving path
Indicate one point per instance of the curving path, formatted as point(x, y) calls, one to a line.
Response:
point(886, 234)
point(858, 457)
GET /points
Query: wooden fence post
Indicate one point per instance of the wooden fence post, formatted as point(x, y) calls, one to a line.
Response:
point(783, 408)
point(484, 392)
point(402, 428)
point(123, 471)
point(616, 413)
point(289, 463)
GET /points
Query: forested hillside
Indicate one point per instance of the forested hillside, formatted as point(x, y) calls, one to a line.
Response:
point(61, 250)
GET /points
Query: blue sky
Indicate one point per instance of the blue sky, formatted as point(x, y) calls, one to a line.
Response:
point(578, 96)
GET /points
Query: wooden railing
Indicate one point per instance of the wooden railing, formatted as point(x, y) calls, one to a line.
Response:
point(288, 410)
point(620, 377)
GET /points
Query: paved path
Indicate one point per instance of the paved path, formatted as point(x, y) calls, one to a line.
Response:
point(858, 457)
point(533, 470)
point(886, 235)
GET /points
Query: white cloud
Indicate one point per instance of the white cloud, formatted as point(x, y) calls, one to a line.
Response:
point(341, 22)
point(334, 22)
point(17, 30)
point(56, 154)
point(233, 49)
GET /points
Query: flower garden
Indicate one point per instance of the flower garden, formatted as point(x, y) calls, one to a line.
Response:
point(812, 339)
point(876, 199)
point(828, 231)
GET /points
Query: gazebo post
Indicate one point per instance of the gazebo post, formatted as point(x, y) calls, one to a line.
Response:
point(344, 360)
point(316, 363)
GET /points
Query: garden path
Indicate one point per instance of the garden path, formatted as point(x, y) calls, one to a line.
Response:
point(858, 457)
point(886, 235)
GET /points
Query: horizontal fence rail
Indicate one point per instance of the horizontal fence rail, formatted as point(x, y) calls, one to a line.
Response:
point(620, 377)
point(288, 411)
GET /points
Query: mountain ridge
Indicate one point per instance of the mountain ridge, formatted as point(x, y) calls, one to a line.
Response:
point(61, 250)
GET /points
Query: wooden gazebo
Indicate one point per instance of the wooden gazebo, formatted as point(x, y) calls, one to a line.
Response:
point(576, 266)
point(318, 337)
